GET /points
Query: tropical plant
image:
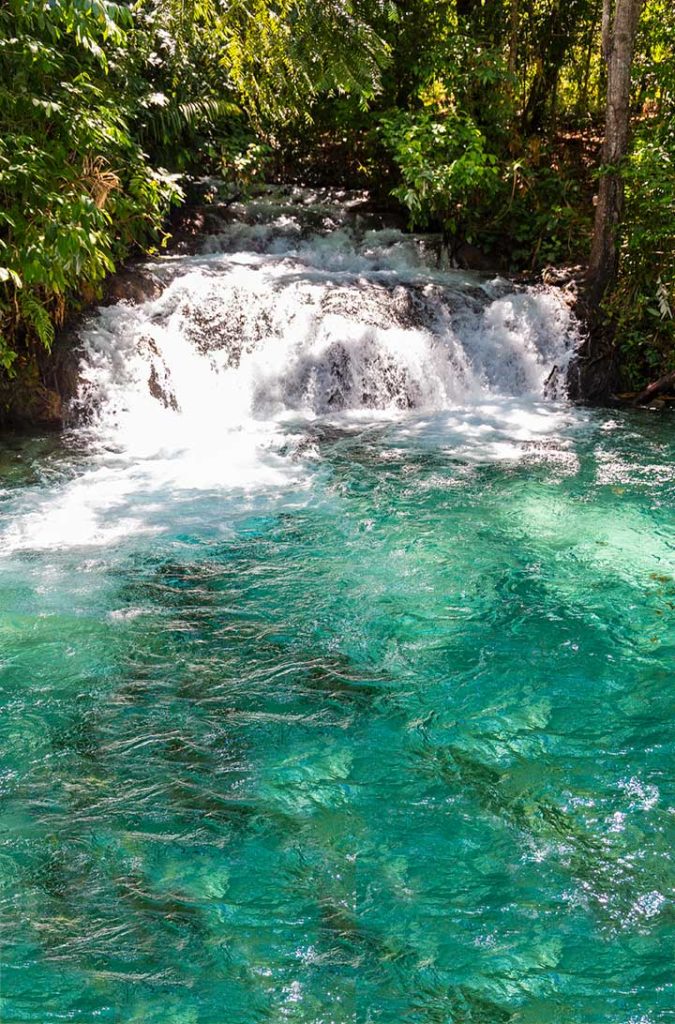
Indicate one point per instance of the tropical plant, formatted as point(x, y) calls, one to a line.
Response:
point(76, 189)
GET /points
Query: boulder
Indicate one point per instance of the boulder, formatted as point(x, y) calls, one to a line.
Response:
point(134, 285)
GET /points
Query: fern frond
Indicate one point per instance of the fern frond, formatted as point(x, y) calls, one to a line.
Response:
point(36, 316)
point(165, 123)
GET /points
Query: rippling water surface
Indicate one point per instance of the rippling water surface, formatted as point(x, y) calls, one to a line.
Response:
point(387, 739)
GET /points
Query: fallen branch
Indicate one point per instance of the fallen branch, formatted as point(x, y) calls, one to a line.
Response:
point(655, 388)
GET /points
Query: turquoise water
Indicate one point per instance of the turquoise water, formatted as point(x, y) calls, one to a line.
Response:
point(391, 742)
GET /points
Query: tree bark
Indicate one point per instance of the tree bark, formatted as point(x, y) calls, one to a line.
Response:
point(619, 46)
point(513, 40)
point(606, 26)
point(656, 388)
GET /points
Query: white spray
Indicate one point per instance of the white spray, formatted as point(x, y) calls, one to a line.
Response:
point(295, 311)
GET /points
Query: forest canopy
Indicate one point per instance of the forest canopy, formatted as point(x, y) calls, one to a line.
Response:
point(482, 119)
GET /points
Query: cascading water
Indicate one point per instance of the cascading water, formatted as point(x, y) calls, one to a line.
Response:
point(335, 654)
point(297, 313)
point(287, 313)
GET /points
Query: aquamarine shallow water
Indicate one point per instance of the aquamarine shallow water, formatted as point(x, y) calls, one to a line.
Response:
point(395, 747)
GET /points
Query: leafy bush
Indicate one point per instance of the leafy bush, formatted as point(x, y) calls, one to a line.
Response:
point(94, 94)
point(642, 306)
point(525, 214)
point(541, 218)
point(76, 190)
point(447, 172)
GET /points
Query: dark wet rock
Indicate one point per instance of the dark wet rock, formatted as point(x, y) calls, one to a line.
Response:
point(551, 383)
point(653, 392)
point(134, 284)
point(232, 330)
point(563, 277)
point(470, 257)
point(207, 190)
point(159, 379)
point(191, 224)
point(27, 402)
point(187, 227)
point(40, 393)
point(415, 307)
point(381, 305)
point(345, 377)
point(160, 390)
point(593, 372)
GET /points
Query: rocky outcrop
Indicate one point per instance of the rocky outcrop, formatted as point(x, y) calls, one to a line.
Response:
point(133, 284)
point(43, 384)
point(593, 374)
point(27, 401)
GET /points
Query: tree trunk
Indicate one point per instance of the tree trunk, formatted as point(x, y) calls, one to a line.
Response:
point(604, 249)
point(606, 29)
point(656, 388)
point(513, 41)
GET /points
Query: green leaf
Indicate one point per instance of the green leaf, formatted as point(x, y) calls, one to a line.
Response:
point(7, 274)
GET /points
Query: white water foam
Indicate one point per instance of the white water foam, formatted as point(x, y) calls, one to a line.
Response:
point(295, 311)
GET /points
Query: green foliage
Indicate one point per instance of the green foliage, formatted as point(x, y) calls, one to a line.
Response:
point(462, 163)
point(96, 95)
point(542, 218)
point(476, 116)
point(35, 314)
point(448, 174)
point(213, 79)
point(278, 56)
point(451, 180)
point(642, 306)
point(76, 190)
point(7, 357)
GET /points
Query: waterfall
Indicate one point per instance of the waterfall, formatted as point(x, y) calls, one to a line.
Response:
point(292, 310)
point(299, 312)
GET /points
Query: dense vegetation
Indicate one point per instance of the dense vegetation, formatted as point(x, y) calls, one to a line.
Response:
point(481, 118)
